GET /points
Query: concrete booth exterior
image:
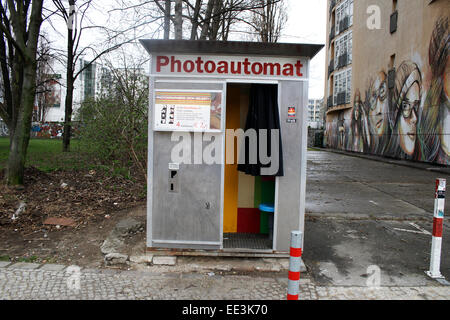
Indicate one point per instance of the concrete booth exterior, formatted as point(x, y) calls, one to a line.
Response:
point(227, 145)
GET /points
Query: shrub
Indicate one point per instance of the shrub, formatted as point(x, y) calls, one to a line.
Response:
point(113, 126)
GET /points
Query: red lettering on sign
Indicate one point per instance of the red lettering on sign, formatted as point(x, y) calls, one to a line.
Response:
point(188, 66)
point(298, 67)
point(288, 70)
point(160, 63)
point(210, 66)
point(234, 69)
point(173, 63)
point(272, 68)
point(223, 67)
point(245, 67)
point(257, 68)
point(199, 62)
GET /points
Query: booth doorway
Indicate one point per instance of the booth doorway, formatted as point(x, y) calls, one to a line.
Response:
point(245, 226)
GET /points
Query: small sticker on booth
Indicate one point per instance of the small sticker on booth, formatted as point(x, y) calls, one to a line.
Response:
point(292, 115)
point(291, 112)
point(174, 166)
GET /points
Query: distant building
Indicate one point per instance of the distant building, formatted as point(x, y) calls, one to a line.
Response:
point(387, 83)
point(92, 82)
point(315, 113)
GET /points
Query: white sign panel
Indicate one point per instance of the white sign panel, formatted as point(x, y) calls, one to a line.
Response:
point(292, 68)
point(188, 111)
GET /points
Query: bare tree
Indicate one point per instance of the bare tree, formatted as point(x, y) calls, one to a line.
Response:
point(46, 80)
point(178, 21)
point(74, 17)
point(20, 23)
point(268, 20)
point(199, 19)
point(167, 11)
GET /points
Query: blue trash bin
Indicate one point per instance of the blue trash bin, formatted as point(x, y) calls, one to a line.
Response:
point(269, 209)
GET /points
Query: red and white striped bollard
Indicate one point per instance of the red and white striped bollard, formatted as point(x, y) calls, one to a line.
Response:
point(438, 222)
point(294, 265)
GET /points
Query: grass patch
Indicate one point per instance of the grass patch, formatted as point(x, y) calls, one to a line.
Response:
point(47, 155)
point(28, 259)
point(5, 258)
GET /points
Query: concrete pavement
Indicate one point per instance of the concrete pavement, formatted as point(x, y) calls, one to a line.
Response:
point(50, 282)
point(367, 236)
point(363, 213)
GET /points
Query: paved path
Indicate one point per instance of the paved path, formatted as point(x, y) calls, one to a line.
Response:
point(363, 213)
point(54, 282)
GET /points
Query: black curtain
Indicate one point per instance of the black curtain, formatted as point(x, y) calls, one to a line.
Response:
point(262, 114)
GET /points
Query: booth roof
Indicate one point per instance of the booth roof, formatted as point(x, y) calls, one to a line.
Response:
point(231, 48)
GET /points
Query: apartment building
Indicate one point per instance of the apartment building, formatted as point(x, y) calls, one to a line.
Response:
point(315, 113)
point(387, 81)
point(92, 82)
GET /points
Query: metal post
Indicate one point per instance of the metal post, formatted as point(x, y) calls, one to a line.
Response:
point(438, 219)
point(294, 265)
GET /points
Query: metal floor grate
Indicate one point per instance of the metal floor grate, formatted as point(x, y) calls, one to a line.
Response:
point(246, 241)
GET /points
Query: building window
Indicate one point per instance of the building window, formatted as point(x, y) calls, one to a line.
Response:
point(335, 92)
point(348, 90)
point(338, 19)
point(350, 47)
point(342, 87)
point(350, 13)
point(344, 11)
point(344, 46)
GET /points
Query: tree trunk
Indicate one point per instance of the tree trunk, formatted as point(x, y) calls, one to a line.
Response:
point(68, 115)
point(69, 95)
point(178, 20)
point(207, 20)
point(20, 138)
point(167, 19)
point(216, 20)
point(24, 70)
point(195, 21)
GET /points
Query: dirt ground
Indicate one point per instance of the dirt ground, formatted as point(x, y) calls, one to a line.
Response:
point(94, 201)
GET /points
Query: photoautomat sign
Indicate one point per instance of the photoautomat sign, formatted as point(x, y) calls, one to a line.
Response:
point(188, 111)
point(230, 67)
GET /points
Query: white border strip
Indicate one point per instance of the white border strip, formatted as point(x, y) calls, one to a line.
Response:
point(187, 90)
point(209, 243)
point(238, 79)
point(183, 79)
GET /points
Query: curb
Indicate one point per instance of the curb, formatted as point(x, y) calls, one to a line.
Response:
point(405, 163)
point(25, 266)
point(31, 266)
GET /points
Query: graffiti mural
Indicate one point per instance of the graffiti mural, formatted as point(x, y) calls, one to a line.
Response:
point(47, 130)
point(409, 119)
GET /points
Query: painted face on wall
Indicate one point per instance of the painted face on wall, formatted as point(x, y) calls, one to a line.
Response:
point(445, 127)
point(407, 128)
point(378, 103)
point(357, 105)
point(447, 79)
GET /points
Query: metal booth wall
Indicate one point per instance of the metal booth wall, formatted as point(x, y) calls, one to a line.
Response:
point(185, 201)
